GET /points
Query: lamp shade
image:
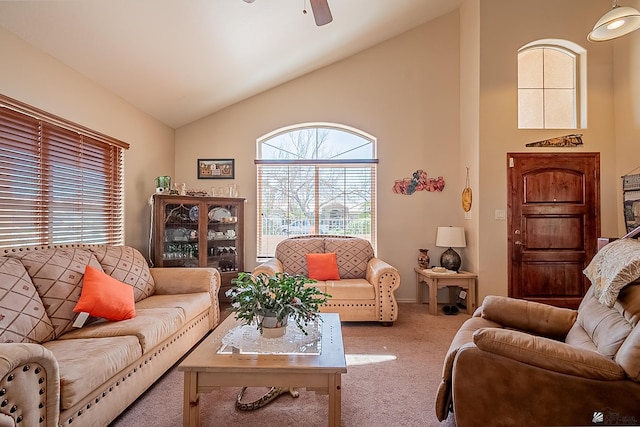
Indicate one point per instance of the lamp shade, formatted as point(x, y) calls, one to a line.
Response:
point(450, 237)
point(615, 23)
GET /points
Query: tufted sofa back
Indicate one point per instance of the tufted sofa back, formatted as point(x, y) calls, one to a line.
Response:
point(352, 254)
point(611, 331)
point(42, 285)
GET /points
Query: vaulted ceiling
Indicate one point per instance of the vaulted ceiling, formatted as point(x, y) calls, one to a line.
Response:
point(180, 60)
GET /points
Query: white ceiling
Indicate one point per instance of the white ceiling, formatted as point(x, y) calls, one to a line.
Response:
point(180, 60)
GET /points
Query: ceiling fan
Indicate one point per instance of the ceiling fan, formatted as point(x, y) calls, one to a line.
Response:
point(321, 11)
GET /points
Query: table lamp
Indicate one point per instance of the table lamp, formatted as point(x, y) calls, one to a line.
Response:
point(450, 237)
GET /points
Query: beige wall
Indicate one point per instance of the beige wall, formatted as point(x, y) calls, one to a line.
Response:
point(404, 92)
point(43, 82)
point(505, 26)
point(470, 123)
point(626, 56)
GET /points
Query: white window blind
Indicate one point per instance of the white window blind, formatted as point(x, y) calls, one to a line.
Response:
point(59, 183)
point(324, 183)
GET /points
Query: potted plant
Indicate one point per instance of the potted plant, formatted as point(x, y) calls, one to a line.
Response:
point(271, 301)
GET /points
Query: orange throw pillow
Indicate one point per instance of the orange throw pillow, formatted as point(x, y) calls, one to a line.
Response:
point(103, 296)
point(323, 266)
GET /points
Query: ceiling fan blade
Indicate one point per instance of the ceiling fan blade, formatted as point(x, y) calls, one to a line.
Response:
point(321, 12)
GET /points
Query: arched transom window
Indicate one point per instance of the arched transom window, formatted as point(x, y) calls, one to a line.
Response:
point(551, 85)
point(315, 179)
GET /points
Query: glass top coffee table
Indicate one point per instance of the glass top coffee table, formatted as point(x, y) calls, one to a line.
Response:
point(316, 366)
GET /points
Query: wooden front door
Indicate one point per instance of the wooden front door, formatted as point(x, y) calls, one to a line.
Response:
point(553, 224)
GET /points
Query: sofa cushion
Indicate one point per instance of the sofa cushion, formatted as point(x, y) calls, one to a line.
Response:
point(291, 252)
point(22, 314)
point(322, 266)
point(57, 275)
point(352, 254)
point(127, 265)
point(350, 289)
point(151, 326)
point(613, 267)
point(104, 296)
point(85, 364)
point(190, 304)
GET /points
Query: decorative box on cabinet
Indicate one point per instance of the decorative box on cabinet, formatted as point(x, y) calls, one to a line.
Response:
point(191, 231)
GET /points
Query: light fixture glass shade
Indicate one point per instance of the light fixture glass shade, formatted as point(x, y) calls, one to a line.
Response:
point(450, 237)
point(615, 23)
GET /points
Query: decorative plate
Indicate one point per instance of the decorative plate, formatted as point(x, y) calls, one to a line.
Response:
point(217, 214)
point(193, 213)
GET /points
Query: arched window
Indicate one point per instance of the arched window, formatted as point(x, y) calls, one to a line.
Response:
point(551, 85)
point(315, 179)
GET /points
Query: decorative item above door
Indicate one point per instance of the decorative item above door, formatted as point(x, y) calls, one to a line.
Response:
point(572, 140)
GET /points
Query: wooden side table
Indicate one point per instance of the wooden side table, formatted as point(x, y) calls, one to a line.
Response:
point(435, 281)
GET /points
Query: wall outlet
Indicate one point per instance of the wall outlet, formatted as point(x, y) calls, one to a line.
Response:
point(500, 215)
point(467, 215)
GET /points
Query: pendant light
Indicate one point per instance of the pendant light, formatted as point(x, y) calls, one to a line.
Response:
point(615, 23)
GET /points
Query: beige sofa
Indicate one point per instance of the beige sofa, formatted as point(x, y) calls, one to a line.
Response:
point(365, 291)
point(54, 374)
point(521, 363)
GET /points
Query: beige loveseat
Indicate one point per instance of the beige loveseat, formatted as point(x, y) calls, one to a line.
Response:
point(54, 374)
point(521, 363)
point(365, 291)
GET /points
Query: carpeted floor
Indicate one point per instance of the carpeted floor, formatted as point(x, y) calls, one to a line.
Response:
point(393, 374)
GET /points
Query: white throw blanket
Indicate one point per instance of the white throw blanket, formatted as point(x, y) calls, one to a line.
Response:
point(614, 267)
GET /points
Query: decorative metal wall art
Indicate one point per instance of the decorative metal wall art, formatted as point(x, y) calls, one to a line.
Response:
point(418, 182)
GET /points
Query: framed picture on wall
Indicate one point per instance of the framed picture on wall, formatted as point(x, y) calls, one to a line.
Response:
point(216, 168)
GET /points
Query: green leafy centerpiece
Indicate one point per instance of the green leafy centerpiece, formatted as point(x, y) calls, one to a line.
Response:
point(271, 301)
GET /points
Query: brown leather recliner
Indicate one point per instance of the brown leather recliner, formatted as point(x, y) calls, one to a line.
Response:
point(521, 363)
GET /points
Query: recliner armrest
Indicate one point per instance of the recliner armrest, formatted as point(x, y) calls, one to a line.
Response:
point(547, 354)
point(529, 316)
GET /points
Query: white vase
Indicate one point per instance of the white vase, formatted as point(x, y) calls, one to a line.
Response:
point(271, 328)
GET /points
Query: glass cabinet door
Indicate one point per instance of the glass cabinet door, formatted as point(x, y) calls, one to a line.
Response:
point(180, 247)
point(222, 236)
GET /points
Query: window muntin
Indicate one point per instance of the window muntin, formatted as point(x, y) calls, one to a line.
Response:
point(551, 85)
point(315, 180)
point(58, 184)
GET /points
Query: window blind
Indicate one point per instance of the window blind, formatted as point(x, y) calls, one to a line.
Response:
point(59, 183)
point(315, 197)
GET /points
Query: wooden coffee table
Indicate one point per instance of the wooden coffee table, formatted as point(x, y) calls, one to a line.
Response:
point(205, 369)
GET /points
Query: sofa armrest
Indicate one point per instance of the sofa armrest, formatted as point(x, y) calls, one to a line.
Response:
point(171, 281)
point(547, 354)
point(30, 380)
point(270, 267)
point(529, 316)
point(385, 279)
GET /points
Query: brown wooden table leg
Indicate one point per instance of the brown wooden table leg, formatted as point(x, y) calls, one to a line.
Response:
point(335, 400)
point(191, 403)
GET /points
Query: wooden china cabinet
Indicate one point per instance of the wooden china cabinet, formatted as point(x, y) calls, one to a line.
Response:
point(193, 231)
